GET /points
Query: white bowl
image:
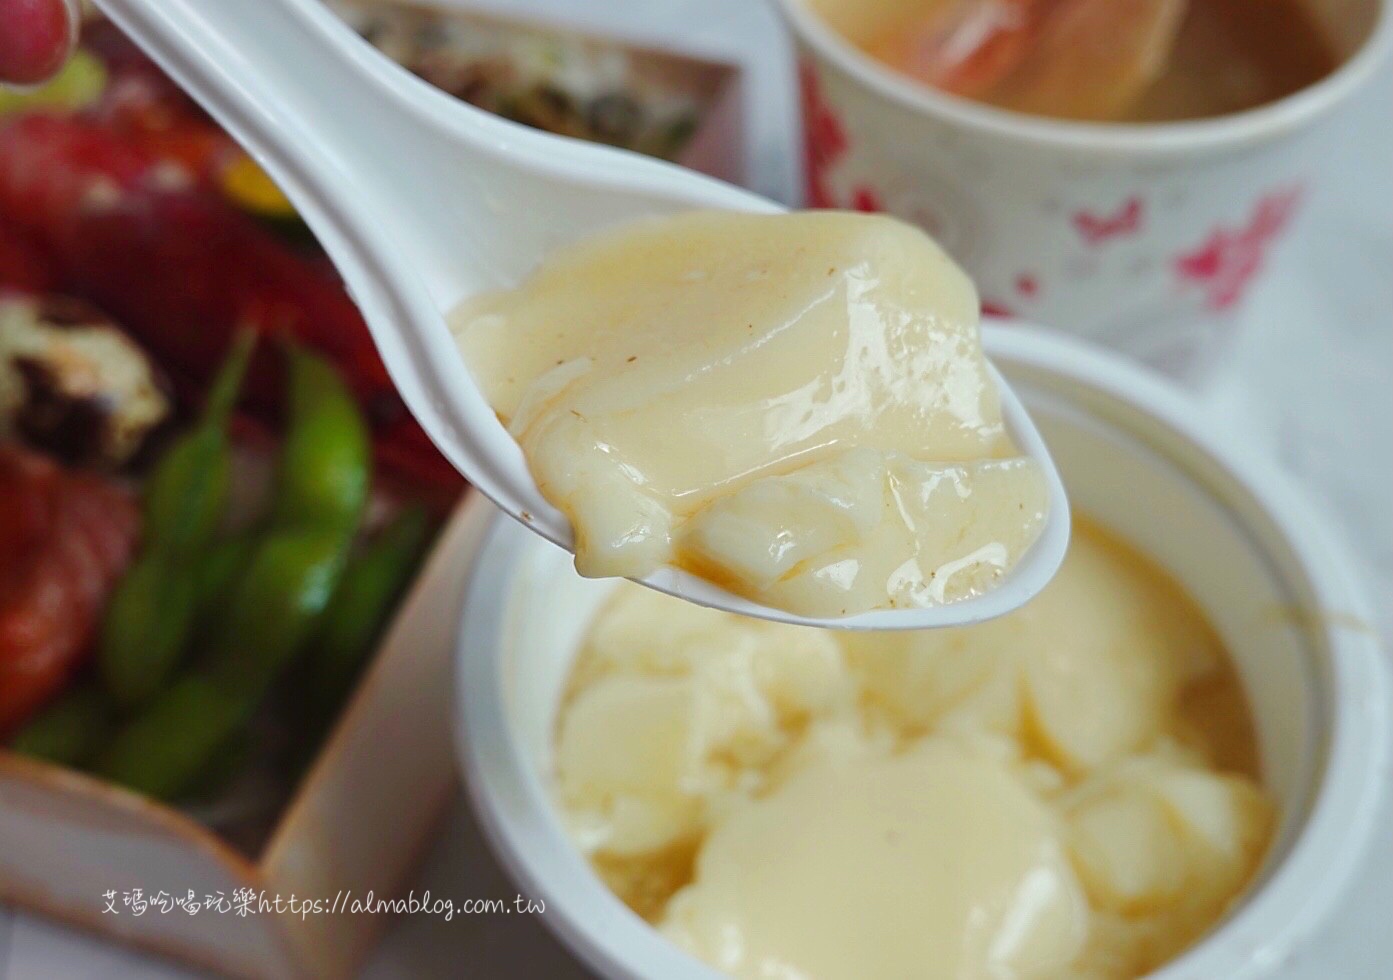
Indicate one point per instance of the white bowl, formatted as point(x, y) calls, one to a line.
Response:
point(1140, 460)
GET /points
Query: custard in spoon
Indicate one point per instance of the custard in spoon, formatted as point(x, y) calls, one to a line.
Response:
point(793, 406)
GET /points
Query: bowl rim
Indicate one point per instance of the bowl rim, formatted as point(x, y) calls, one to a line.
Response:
point(1259, 123)
point(518, 819)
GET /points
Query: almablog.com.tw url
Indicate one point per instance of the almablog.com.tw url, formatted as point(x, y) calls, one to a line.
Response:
point(243, 902)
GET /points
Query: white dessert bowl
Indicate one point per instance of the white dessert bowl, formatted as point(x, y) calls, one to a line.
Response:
point(1142, 461)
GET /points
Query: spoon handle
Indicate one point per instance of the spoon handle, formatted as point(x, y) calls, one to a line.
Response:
point(329, 119)
point(420, 200)
point(272, 72)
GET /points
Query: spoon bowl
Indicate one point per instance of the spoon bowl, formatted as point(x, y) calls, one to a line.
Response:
point(422, 200)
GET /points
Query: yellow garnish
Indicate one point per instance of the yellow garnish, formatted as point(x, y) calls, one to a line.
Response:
point(249, 187)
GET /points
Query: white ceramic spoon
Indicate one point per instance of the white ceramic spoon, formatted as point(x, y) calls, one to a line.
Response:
point(422, 200)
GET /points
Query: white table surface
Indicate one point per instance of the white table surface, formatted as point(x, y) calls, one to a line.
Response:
point(1310, 383)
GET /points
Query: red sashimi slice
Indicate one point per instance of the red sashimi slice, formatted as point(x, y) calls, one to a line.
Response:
point(22, 267)
point(66, 538)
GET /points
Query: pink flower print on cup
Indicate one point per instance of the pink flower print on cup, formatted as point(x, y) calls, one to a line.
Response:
point(824, 138)
point(1224, 265)
point(824, 143)
point(1095, 229)
point(1026, 286)
point(866, 199)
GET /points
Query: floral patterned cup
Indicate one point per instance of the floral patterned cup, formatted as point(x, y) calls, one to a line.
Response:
point(1141, 237)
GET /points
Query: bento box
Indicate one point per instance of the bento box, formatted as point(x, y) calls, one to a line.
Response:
point(104, 858)
point(139, 245)
point(655, 101)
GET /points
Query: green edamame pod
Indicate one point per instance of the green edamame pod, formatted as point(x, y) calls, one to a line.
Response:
point(372, 583)
point(322, 484)
point(274, 606)
point(69, 730)
point(151, 612)
point(186, 493)
point(160, 751)
point(275, 600)
point(285, 587)
point(146, 628)
point(222, 563)
point(324, 469)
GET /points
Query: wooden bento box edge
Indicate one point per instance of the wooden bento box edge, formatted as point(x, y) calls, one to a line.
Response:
point(315, 837)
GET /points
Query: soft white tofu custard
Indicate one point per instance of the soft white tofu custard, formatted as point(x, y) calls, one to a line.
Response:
point(795, 407)
point(1069, 791)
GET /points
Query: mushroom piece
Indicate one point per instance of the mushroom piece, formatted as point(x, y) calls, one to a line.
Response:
point(73, 383)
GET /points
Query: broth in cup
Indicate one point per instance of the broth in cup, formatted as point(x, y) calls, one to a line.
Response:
point(1198, 58)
